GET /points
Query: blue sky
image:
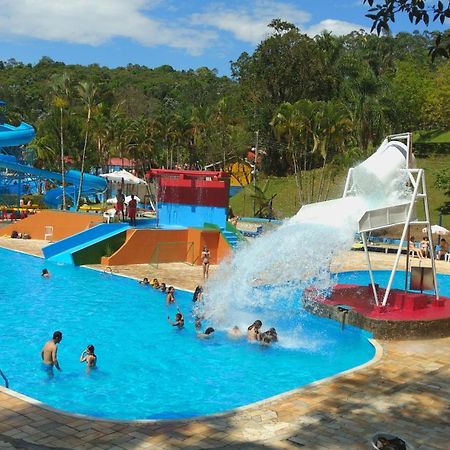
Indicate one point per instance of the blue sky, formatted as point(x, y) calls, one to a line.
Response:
point(184, 34)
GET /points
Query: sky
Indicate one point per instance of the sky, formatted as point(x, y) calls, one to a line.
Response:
point(186, 34)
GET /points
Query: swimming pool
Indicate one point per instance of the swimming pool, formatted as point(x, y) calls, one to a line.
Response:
point(146, 368)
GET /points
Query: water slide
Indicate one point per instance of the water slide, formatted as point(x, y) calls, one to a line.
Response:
point(88, 246)
point(11, 136)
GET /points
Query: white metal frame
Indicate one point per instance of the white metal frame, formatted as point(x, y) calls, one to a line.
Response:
point(416, 178)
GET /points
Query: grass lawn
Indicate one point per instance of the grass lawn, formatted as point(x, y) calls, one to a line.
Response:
point(286, 202)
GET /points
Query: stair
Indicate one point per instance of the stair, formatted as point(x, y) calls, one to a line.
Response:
point(231, 238)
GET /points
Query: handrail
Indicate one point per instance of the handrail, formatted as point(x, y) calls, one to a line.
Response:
point(4, 377)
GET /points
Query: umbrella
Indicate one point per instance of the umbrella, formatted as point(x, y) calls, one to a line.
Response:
point(122, 176)
point(437, 229)
point(128, 198)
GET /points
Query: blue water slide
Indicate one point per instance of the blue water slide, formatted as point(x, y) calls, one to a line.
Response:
point(11, 136)
point(64, 250)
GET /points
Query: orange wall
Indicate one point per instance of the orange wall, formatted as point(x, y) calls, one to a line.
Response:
point(64, 224)
point(141, 245)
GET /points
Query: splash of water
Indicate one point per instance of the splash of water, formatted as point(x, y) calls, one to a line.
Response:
point(264, 279)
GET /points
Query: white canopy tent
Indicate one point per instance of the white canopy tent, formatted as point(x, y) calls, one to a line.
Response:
point(122, 176)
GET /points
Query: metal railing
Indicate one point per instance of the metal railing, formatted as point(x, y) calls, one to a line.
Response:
point(4, 377)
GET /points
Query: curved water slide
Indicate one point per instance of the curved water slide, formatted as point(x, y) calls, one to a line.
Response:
point(11, 136)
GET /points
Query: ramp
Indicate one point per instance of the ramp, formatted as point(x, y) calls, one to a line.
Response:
point(89, 246)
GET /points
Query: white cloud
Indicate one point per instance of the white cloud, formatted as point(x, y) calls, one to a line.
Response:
point(337, 27)
point(248, 23)
point(94, 22)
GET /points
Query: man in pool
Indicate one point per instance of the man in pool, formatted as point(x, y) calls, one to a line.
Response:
point(49, 353)
point(179, 320)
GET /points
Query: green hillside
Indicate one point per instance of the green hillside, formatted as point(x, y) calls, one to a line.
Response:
point(286, 204)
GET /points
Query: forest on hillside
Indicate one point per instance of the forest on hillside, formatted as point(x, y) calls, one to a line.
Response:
point(317, 103)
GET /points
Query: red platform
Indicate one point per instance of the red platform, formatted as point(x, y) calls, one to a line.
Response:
point(401, 306)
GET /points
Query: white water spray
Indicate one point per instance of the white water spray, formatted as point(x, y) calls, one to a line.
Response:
point(262, 279)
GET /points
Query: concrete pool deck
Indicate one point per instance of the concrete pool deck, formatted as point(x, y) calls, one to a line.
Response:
point(405, 392)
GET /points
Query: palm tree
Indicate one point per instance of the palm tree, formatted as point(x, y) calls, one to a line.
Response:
point(87, 92)
point(61, 100)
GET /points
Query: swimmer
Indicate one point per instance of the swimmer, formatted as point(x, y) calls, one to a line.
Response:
point(49, 353)
point(197, 294)
point(88, 356)
point(253, 333)
point(155, 283)
point(235, 332)
point(45, 273)
point(269, 337)
point(144, 281)
point(179, 320)
point(170, 297)
point(198, 323)
point(207, 334)
point(163, 287)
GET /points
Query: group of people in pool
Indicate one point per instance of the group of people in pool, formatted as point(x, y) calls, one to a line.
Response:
point(154, 283)
point(49, 355)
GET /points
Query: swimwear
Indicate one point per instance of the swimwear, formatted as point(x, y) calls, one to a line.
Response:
point(47, 367)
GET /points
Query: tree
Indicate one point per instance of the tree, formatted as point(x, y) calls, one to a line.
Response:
point(87, 92)
point(417, 11)
point(61, 95)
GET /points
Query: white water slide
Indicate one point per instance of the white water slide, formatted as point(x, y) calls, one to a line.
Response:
point(380, 192)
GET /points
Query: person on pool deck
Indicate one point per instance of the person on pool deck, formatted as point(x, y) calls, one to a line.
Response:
point(45, 273)
point(413, 251)
point(145, 282)
point(120, 201)
point(253, 333)
point(205, 261)
point(207, 334)
point(179, 320)
point(442, 249)
point(170, 297)
point(425, 247)
point(132, 208)
point(49, 353)
point(89, 357)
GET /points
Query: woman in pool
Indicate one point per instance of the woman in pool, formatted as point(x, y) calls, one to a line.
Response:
point(88, 356)
point(145, 282)
point(163, 287)
point(179, 320)
point(269, 337)
point(197, 294)
point(170, 297)
point(155, 283)
point(205, 260)
point(235, 332)
point(253, 333)
point(45, 273)
point(207, 334)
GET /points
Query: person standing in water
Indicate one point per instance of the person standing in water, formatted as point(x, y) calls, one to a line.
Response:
point(49, 353)
point(253, 331)
point(89, 357)
point(205, 261)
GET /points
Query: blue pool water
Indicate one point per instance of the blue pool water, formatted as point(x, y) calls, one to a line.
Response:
point(382, 278)
point(146, 368)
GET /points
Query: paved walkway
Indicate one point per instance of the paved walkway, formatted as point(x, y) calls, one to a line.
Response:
point(406, 392)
